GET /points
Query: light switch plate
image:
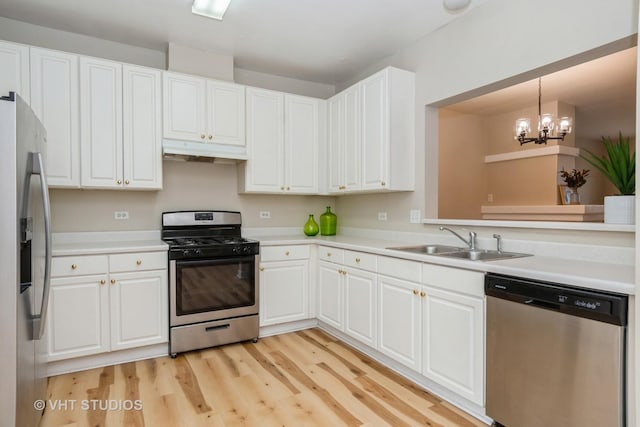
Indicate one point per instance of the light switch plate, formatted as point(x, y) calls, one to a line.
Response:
point(121, 215)
point(382, 216)
point(265, 215)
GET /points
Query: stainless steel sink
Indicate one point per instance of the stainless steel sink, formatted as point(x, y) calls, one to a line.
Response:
point(482, 255)
point(428, 249)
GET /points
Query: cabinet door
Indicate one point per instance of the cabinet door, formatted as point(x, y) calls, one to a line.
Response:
point(55, 100)
point(14, 69)
point(184, 107)
point(284, 288)
point(360, 298)
point(452, 333)
point(330, 296)
point(138, 309)
point(352, 140)
point(78, 317)
point(142, 130)
point(225, 113)
point(399, 320)
point(336, 143)
point(301, 144)
point(375, 131)
point(265, 141)
point(101, 123)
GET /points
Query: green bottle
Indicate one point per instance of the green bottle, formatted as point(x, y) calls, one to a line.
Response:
point(310, 227)
point(328, 221)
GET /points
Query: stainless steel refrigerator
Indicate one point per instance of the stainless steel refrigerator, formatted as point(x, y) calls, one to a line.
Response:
point(25, 263)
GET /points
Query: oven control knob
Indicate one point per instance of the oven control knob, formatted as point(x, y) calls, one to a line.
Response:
point(235, 250)
point(246, 249)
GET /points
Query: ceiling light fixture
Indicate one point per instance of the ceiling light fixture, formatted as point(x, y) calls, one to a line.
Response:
point(455, 5)
point(546, 125)
point(210, 8)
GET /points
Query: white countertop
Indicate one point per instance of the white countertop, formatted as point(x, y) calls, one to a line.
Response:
point(586, 274)
point(95, 243)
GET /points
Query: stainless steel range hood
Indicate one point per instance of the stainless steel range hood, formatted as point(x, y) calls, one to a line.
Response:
point(199, 151)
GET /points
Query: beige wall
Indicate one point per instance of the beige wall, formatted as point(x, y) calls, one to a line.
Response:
point(187, 185)
point(462, 177)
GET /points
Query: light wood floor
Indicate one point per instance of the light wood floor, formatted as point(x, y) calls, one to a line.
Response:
point(305, 378)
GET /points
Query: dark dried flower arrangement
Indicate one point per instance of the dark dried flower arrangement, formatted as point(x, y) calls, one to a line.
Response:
point(575, 178)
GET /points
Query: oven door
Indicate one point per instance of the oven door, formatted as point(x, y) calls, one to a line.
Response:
point(201, 290)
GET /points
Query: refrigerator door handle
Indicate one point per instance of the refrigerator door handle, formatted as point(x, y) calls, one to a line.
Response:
point(37, 168)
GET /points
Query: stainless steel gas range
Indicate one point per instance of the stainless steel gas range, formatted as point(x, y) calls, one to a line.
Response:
point(213, 280)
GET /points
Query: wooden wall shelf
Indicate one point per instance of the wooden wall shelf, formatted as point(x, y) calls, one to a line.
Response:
point(574, 213)
point(551, 150)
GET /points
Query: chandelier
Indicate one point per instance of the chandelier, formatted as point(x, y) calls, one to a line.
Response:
point(547, 125)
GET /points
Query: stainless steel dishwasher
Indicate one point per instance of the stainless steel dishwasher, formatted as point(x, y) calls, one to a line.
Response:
point(555, 354)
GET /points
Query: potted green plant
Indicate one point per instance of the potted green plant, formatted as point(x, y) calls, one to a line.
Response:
point(618, 165)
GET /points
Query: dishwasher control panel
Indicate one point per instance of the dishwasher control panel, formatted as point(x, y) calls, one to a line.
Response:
point(603, 306)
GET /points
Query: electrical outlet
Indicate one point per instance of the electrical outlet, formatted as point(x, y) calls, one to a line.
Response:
point(265, 215)
point(490, 197)
point(382, 216)
point(121, 215)
point(414, 216)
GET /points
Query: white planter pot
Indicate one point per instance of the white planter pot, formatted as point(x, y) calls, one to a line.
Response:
point(620, 209)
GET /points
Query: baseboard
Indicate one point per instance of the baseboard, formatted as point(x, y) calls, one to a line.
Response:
point(283, 328)
point(106, 359)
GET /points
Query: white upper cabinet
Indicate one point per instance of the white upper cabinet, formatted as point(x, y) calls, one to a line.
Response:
point(55, 100)
point(264, 171)
point(202, 110)
point(372, 134)
point(282, 143)
point(142, 137)
point(344, 141)
point(225, 113)
point(14, 69)
point(101, 123)
point(301, 144)
point(184, 107)
point(120, 125)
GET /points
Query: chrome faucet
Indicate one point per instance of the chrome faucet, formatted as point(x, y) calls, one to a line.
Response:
point(472, 237)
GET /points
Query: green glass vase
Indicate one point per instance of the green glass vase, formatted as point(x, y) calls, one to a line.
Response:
point(311, 226)
point(328, 222)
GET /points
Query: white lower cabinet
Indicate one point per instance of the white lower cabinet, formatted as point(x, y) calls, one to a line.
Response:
point(360, 296)
point(433, 322)
point(453, 330)
point(78, 316)
point(330, 299)
point(399, 315)
point(284, 284)
point(138, 308)
point(347, 295)
point(95, 309)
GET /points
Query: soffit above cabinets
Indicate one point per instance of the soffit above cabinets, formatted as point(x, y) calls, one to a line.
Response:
point(324, 41)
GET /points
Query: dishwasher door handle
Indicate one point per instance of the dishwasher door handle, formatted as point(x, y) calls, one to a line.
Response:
point(542, 304)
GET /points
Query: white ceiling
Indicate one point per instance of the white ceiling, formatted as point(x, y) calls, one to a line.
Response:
point(326, 41)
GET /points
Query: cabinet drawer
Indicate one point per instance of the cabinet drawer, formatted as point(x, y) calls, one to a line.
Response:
point(284, 253)
point(400, 268)
point(454, 279)
point(139, 261)
point(326, 253)
point(79, 265)
point(361, 260)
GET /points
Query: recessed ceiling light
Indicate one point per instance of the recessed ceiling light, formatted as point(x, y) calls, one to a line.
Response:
point(210, 8)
